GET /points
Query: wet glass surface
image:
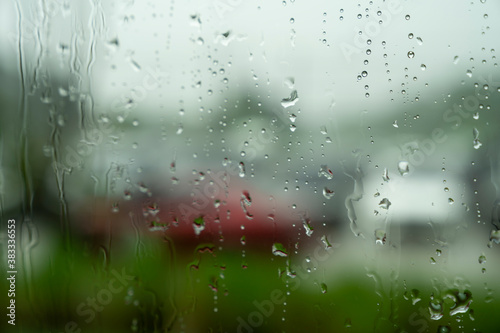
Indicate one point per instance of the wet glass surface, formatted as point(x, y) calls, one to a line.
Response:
point(250, 166)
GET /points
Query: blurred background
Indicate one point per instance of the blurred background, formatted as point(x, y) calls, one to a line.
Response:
point(251, 166)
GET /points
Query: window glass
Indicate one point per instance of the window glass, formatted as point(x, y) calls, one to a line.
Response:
point(250, 166)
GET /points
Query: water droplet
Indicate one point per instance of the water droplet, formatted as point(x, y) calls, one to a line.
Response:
point(246, 199)
point(241, 167)
point(48, 150)
point(411, 54)
point(324, 288)
point(325, 242)
point(198, 225)
point(385, 175)
point(324, 171)
point(403, 168)
point(217, 203)
point(307, 226)
point(475, 133)
point(327, 193)
point(290, 273)
point(115, 208)
point(482, 258)
point(279, 250)
point(495, 236)
point(143, 188)
point(423, 67)
point(289, 82)
point(462, 301)
point(436, 309)
point(415, 296)
point(407, 17)
point(127, 195)
point(380, 237)
point(384, 203)
point(195, 20)
point(443, 329)
point(290, 101)
point(135, 66)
